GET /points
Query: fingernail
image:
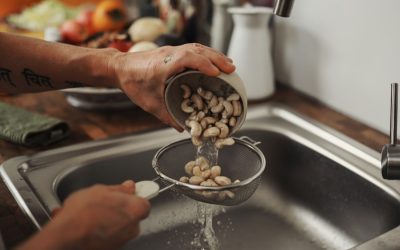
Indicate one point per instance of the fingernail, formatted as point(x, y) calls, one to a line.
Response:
point(128, 183)
point(229, 59)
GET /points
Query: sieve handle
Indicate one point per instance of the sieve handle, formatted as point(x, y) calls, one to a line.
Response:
point(149, 189)
point(251, 141)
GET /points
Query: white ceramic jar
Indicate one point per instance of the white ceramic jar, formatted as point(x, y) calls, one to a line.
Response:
point(222, 24)
point(250, 49)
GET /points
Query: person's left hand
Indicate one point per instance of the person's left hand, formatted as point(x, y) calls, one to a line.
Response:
point(142, 75)
point(98, 217)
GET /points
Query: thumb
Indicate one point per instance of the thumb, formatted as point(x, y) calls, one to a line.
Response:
point(127, 187)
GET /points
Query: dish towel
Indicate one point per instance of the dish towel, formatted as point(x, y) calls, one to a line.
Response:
point(30, 129)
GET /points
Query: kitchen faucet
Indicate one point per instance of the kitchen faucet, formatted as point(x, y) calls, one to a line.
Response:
point(391, 152)
point(283, 7)
point(390, 156)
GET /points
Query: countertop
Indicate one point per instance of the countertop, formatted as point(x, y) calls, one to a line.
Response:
point(91, 125)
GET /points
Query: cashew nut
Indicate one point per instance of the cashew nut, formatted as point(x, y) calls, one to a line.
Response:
point(186, 91)
point(197, 101)
point(207, 121)
point(220, 143)
point(184, 179)
point(206, 174)
point(197, 171)
point(202, 162)
point(195, 128)
point(225, 193)
point(219, 107)
point(224, 120)
point(237, 108)
point(228, 108)
point(205, 93)
point(232, 121)
point(211, 195)
point(196, 180)
point(236, 181)
point(221, 196)
point(215, 171)
point(203, 124)
point(224, 129)
point(233, 97)
point(213, 102)
point(186, 107)
point(196, 140)
point(193, 116)
point(230, 194)
point(200, 115)
point(211, 132)
point(222, 180)
point(209, 183)
point(189, 167)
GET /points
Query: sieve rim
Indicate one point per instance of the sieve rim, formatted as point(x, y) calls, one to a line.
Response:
point(242, 183)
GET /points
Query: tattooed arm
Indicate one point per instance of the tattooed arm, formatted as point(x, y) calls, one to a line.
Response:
point(32, 65)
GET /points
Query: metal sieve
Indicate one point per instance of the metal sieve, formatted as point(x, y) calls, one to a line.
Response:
point(243, 161)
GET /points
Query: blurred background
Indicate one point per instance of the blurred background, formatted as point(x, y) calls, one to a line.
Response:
point(86, 22)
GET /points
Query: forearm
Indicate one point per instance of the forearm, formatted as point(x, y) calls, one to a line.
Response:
point(32, 65)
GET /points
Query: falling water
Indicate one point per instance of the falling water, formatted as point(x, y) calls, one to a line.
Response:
point(206, 238)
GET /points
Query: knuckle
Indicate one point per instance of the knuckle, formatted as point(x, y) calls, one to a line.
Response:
point(197, 45)
point(165, 49)
point(186, 53)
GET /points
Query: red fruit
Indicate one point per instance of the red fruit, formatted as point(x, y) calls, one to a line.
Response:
point(73, 32)
point(85, 19)
point(109, 15)
point(121, 45)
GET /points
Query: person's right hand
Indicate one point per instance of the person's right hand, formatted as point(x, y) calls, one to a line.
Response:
point(142, 75)
point(99, 217)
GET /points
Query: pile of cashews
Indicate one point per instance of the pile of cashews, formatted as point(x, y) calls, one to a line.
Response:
point(201, 173)
point(210, 117)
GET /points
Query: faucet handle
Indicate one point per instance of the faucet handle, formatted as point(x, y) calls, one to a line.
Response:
point(390, 160)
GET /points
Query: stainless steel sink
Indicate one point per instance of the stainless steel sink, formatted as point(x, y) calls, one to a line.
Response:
point(320, 190)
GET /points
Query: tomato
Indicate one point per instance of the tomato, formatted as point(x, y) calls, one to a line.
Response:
point(73, 32)
point(120, 45)
point(109, 15)
point(84, 18)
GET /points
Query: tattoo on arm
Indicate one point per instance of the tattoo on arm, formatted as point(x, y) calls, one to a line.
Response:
point(74, 84)
point(32, 78)
point(5, 76)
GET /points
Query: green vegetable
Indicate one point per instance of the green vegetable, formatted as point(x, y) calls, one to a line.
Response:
point(48, 13)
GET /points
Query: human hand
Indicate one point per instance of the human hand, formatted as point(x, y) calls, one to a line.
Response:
point(99, 217)
point(142, 75)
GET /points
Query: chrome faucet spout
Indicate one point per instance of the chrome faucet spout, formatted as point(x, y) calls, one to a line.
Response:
point(283, 7)
point(391, 152)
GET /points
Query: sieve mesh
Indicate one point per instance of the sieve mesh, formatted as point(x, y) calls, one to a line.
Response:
point(242, 161)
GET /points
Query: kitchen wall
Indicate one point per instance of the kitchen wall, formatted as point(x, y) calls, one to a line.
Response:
point(344, 53)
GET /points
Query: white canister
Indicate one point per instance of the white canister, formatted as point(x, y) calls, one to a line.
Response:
point(250, 49)
point(222, 24)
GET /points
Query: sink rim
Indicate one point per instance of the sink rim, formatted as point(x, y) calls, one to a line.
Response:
point(12, 171)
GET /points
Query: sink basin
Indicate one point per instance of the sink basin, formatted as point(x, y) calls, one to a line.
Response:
point(320, 190)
